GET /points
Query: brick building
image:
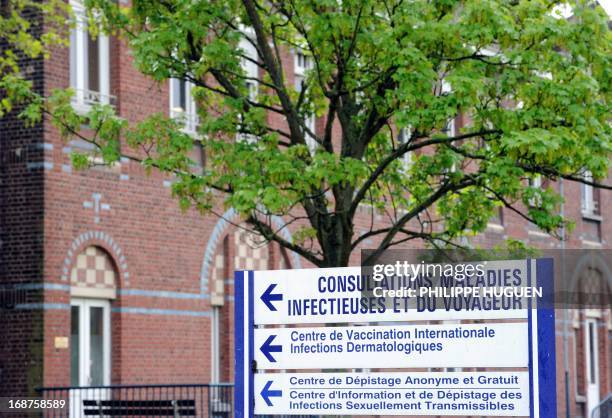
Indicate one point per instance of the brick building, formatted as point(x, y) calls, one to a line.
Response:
point(121, 287)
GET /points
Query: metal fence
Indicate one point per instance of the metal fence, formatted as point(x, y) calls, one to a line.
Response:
point(604, 409)
point(199, 400)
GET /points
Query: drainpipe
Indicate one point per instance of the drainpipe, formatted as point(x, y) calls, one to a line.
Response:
point(565, 310)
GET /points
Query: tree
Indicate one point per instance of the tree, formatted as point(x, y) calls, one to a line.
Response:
point(384, 80)
point(23, 39)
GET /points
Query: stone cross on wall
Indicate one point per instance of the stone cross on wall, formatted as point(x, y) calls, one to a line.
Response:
point(97, 205)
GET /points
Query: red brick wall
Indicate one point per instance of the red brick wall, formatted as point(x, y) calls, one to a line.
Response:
point(156, 337)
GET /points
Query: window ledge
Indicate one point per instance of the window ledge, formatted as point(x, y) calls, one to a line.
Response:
point(81, 108)
point(85, 99)
point(591, 244)
point(99, 165)
point(538, 233)
point(495, 227)
point(189, 121)
point(193, 133)
point(591, 216)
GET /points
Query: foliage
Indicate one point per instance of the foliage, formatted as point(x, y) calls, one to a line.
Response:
point(535, 87)
point(22, 39)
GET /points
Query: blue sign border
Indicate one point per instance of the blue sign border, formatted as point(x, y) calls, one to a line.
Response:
point(243, 353)
point(547, 360)
point(544, 350)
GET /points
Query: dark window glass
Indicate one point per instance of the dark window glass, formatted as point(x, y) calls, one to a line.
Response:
point(93, 63)
point(96, 346)
point(74, 346)
point(592, 353)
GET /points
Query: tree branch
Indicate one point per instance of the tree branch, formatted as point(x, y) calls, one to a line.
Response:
point(267, 232)
point(408, 146)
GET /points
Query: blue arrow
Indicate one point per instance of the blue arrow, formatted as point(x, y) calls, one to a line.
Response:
point(268, 348)
point(268, 297)
point(266, 393)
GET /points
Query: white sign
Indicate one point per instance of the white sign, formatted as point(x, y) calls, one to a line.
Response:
point(337, 302)
point(416, 393)
point(398, 346)
point(338, 295)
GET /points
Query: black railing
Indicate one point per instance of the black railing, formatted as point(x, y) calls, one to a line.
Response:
point(183, 400)
point(604, 408)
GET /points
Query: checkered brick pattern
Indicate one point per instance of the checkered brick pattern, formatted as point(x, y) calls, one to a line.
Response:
point(217, 291)
point(251, 253)
point(94, 268)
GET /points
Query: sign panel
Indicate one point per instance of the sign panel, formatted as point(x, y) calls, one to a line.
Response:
point(340, 295)
point(521, 348)
point(416, 393)
point(457, 345)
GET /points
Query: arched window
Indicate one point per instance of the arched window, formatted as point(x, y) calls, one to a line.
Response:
point(93, 281)
point(94, 274)
point(590, 337)
point(252, 252)
point(219, 274)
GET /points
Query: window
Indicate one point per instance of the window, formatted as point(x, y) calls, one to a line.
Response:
point(536, 183)
point(449, 129)
point(251, 73)
point(215, 370)
point(182, 104)
point(592, 361)
point(498, 217)
point(94, 274)
point(403, 137)
point(251, 252)
point(198, 157)
point(250, 68)
point(219, 274)
point(89, 63)
point(591, 368)
point(94, 156)
point(303, 63)
point(590, 196)
point(89, 343)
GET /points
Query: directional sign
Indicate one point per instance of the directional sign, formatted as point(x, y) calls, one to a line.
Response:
point(338, 295)
point(267, 348)
point(267, 394)
point(416, 393)
point(267, 297)
point(520, 349)
point(393, 346)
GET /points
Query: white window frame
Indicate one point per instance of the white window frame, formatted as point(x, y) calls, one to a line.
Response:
point(591, 363)
point(84, 306)
point(251, 70)
point(402, 137)
point(85, 98)
point(215, 370)
point(536, 183)
point(450, 124)
point(450, 131)
point(302, 63)
point(189, 115)
point(450, 128)
point(587, 197)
